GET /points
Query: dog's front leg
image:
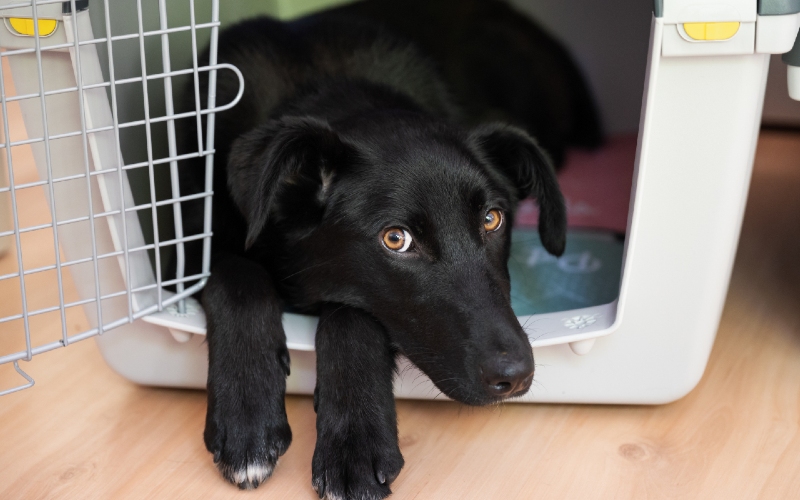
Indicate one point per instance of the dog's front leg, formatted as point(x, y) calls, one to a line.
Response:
point(357, 455)
point(246, 426)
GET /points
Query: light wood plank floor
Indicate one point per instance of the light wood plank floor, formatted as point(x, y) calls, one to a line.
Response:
point(84, 432)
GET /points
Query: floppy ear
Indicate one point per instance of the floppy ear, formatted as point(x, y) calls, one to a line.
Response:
point(515, 154)
point(298, 153)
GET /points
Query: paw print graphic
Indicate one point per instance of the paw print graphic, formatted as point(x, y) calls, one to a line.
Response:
point(581, 321)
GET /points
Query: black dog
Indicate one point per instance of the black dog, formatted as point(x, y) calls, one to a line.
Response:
point(346, 185)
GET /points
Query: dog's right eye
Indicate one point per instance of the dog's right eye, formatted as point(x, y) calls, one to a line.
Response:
point(396, 239)
point(492, 220)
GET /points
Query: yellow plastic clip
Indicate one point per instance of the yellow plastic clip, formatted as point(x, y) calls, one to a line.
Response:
point(24, 26)
point(711, 31)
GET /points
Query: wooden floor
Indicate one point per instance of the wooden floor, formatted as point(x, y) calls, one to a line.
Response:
point(84, 432)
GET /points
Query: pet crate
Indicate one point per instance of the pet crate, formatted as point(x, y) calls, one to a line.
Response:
point(100, 118)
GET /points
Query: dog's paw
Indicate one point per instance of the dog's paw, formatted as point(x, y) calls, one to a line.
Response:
point(246, 454)
point(355, 468)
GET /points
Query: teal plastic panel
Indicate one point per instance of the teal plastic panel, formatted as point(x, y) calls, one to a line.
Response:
point(588, 274)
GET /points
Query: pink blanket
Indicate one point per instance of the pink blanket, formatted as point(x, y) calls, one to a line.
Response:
point(596, 185)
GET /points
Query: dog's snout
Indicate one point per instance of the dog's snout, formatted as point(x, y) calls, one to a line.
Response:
point(505, 374)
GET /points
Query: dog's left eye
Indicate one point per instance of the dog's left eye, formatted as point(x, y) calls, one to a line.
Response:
point(492, 220)
point(397, 239)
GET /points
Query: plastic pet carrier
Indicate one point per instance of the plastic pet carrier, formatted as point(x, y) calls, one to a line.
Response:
point(627, 315)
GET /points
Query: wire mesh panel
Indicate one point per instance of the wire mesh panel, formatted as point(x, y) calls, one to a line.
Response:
point(92, 100)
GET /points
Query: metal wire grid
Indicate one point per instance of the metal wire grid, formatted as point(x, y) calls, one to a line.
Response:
point(205, 150)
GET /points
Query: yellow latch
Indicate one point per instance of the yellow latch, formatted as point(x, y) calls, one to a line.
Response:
point(711, 31)
point(24, 26)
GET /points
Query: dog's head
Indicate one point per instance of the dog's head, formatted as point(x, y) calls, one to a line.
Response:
point(409, 220)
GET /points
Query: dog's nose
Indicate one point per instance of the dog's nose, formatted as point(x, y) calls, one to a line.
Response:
point(505, 374)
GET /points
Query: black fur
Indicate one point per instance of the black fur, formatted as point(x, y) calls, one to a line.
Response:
point(346, 129)
point(500, 65)
point(247, 368)
point(357, 454)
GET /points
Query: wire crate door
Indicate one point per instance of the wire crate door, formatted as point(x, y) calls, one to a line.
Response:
point(78, 158)
point(73, 125)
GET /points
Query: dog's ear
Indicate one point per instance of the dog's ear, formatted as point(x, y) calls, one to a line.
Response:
point(300, 153)
point(519, 159)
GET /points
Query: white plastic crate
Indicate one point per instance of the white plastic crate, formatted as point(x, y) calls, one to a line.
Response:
point(699, 121)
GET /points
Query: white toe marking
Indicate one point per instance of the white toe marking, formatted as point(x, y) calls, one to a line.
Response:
point(252, 473)
point(258, 472)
